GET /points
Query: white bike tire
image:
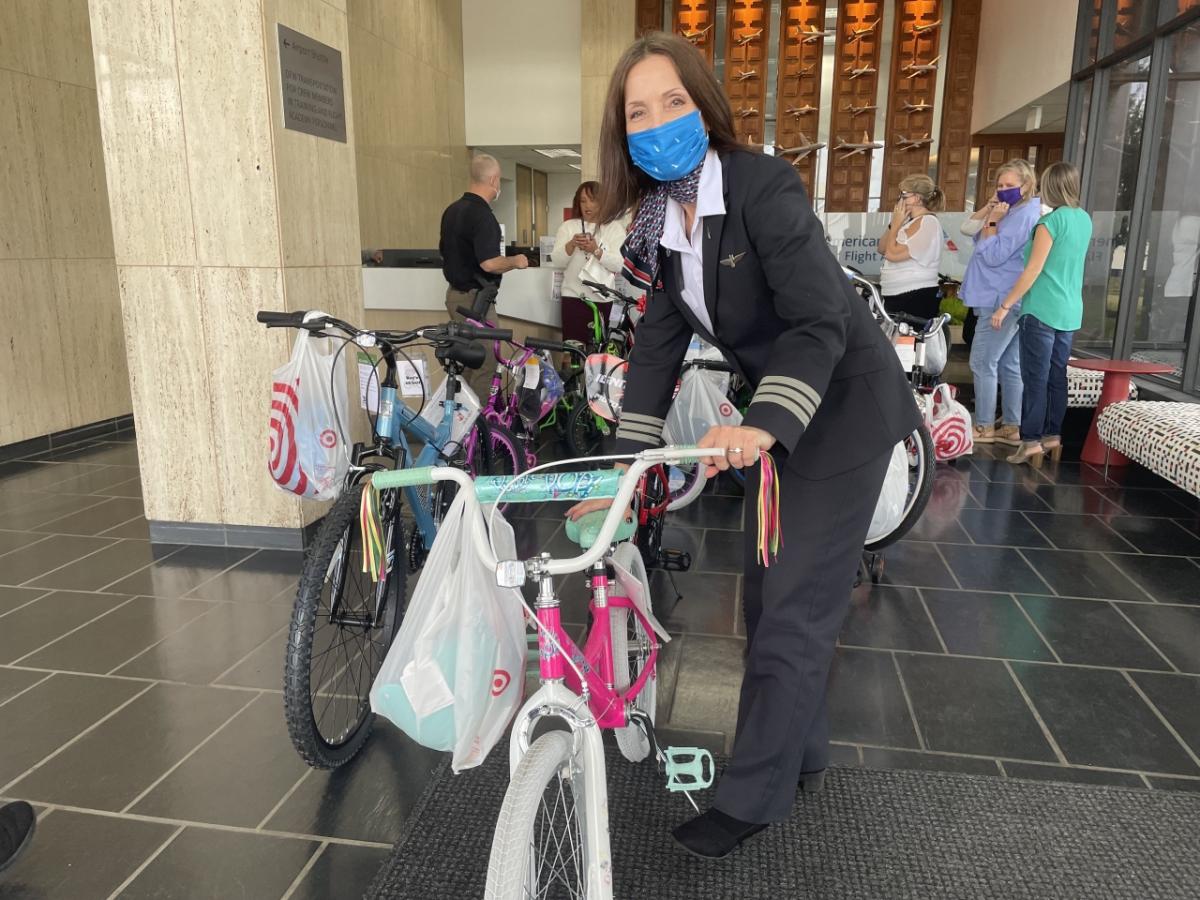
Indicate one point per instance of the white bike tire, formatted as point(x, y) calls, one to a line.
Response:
point(631, 740)
point(511, 866)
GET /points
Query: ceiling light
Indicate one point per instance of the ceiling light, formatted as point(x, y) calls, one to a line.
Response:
point(557, 154)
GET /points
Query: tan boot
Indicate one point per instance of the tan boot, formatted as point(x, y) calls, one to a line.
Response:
point(984, 434)
point(1009, 434)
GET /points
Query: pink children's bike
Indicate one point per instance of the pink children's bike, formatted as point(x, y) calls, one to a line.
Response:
point(552, 839)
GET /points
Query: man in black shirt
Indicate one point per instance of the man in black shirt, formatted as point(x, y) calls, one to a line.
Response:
point(470, 241)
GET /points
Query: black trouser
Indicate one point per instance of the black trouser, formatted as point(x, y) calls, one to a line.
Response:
point(923, 303)
point(794, 611)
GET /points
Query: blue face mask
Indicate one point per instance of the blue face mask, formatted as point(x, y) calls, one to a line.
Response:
point(1011, 196)
point(672, 150)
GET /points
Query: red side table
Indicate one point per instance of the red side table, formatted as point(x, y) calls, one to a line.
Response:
point(1118, 375)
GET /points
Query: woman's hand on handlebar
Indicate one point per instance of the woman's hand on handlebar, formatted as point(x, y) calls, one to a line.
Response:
point(583, 507)
point(741, 444)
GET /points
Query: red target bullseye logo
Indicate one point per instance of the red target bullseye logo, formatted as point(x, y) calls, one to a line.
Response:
point(285, 469)
point(725, 410)
point(951, 438)
point(328, 439)
point(500, 681)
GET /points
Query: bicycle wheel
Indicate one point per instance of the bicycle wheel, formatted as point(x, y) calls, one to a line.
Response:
point(686, 482)
point(921, 472)
point(631, 646)
point(588, 434)
point(342, 626)
point(495, 451)
point(538, 851)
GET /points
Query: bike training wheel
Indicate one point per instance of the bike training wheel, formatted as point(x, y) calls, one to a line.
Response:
point(631, 646)
point(588, 434)
point(538, 850)
point(921, 463)
point(342, 626)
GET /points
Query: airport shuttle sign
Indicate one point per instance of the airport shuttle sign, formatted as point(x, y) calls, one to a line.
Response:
point(310, 74)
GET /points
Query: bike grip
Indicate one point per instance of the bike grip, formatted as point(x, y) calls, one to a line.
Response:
point(401, 478)
point(464, 312)
point(539, 344)
point(280, 319)
point(498, 334)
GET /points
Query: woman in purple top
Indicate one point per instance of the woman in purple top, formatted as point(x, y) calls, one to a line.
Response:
point(1001, 229)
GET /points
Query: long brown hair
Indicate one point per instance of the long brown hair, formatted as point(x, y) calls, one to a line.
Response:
point(587, 189)
point(1060, 185)
point(623, 182)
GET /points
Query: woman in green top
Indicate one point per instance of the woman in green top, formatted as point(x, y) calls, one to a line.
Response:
point(1050, 292)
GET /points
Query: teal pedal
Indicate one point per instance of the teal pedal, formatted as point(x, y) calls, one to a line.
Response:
point(686, 769)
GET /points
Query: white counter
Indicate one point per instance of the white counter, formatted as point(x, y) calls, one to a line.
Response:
point(525, 294)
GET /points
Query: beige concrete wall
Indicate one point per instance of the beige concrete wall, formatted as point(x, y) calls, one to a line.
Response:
point(62, 364)
point(217, 212)
point(609, 27)
point(1012, 72)
point(406, 68)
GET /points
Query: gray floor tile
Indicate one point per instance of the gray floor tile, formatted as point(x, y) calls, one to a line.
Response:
point(1001, 527)
point(48, 508)
point(992, 569)
point(137, 529)
point(1161, 536)
point(976, 624)
point(971, 706)
point(263, 576)
point(1175, 630)
point(227, 864)
point(109, 513)
point(917, 564)
point(130, 488)
point(1164, 783)
point(109, 766)
point(262, 667)
point(119, 636)
point(1076, 774)
point(101, 453)
point(31, 733)
point(1077, 499)
point(723, 551)
point(237, 777)
point(1098, 719)
point(26, 629)
point(1080, 573)
point(112, 563)
point(13, 597)
point(13, 681)
point(1079, 532)
point(1177, 697)
point(96, 481)
point(1167, 579)
point(1008, 495)
point(667, 673)
point(708, 684)
point(366, 801)
point(1090, 632)
point(888, 618)
point(40, 476)
point(709, 604)
point(203, 649)
point(876, 758)
point(37, 559)
point(713, 741)
point(866, 703)
point(341, 871)
point(76, 855)
point(15, 540)
point(182, 572)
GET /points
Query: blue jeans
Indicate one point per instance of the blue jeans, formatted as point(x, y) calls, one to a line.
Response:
point(1044, 355)
point(996, 359)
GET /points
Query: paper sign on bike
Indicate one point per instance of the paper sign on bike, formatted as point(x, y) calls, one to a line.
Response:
point(906, 349)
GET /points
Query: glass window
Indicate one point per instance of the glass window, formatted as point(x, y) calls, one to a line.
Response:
point(1113, 180)
point(1173, 8)
point(1084, 92)
point(1093, 34)
point(1134, 19)
point(1167, 293)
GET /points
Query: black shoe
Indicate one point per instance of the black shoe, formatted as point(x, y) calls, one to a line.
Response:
point(714, 835)
point(17, 824)
point(812, 782)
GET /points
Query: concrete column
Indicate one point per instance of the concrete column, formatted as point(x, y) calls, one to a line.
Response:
point(217, 211)
point(608, 28)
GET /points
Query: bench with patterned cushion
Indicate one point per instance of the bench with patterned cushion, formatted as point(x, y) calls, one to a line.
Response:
point(1161, 435)
point(1083, 387)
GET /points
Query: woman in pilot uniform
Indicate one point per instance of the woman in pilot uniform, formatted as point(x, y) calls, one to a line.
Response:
point(726, 244)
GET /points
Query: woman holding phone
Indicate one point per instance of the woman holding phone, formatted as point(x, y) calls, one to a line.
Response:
point(726, 244)
point(586, 251)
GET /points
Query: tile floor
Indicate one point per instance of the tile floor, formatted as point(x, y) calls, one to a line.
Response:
point(1033, 625)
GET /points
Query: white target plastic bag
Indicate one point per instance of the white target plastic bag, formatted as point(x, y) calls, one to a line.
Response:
point(454, 677)
point(308, 452)
point(949, 424)
point(889, 509)
point(701, 403)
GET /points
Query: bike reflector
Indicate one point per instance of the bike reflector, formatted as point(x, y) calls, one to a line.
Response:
point(604, 375)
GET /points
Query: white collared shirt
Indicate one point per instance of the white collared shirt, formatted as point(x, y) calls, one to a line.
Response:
point(710, 201)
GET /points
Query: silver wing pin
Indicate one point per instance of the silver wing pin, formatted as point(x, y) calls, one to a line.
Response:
point(733, 259)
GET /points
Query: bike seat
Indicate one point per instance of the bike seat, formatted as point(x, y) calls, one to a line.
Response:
point(584, 530)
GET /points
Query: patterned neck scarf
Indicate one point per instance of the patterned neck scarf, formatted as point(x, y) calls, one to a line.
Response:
point(640, 249)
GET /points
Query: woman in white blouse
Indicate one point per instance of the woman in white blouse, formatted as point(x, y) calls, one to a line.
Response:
point(912, 250)
point(586, 251)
